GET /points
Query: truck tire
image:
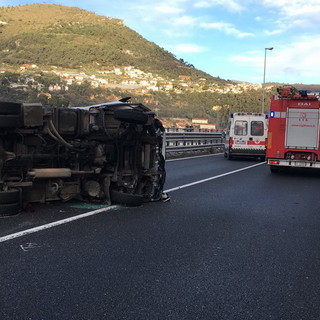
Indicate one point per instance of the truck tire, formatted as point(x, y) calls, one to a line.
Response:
point(128, 199)
point(9, 209)
point(225, 152)
point(10, 196)
point(10, 108)
point(131, 116)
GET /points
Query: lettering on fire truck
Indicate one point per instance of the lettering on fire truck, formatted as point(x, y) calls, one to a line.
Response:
point(304, 104)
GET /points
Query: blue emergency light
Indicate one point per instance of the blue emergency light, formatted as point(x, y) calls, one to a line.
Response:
point(272, 114)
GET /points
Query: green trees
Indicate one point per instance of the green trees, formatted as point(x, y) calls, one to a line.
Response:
point(79, 38)
point(211, 105)
point(48, 79)
point(7, 77)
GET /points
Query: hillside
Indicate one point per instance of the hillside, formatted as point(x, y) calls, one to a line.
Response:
point(66, 56)
point(47, 34)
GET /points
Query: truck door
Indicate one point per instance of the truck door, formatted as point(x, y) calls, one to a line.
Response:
point(240, 133)
point(257, 131)
point(302, 130)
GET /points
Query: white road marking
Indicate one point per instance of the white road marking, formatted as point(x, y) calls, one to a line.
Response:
point(213, 178)
point(54, 224)
point(91, 213)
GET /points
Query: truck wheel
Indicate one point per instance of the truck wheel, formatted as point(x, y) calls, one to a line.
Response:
point(130, 116)
point(10, 108)
point(132, 200)
point(10, 196)
point(9, 209)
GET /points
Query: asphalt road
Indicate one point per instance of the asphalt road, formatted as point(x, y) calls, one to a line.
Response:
point(237, 245)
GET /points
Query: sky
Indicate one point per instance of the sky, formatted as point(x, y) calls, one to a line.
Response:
point(225, 38)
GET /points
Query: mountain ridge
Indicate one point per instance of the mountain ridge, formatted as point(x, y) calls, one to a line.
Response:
point(49, 34)
point(46, 48)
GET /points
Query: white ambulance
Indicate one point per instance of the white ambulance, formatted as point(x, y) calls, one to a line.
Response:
point(246, 135)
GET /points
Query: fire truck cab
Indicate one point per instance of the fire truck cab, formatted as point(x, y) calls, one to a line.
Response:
point(293, 133)
point(246, 135)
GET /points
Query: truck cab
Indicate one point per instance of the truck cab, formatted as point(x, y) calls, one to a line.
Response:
point(246, 135)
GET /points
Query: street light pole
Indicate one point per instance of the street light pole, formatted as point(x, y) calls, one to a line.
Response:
point(264, 75)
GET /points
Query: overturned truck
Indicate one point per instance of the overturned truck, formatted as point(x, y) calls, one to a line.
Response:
point(109, 153)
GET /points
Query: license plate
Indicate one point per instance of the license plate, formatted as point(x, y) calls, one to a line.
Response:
point(300, 164)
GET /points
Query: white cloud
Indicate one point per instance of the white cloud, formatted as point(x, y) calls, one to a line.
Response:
point(166, 8)
point(296, 62)
point(178, 33)
point(184, 20)
point(230, 5)
point(296, 13)
point(227, 28)
point(300, 57)
point(274, 32)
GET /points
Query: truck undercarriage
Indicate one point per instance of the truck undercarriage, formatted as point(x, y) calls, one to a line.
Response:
point(106, 153)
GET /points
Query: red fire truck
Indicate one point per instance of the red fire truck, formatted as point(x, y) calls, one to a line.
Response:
point(293, 131)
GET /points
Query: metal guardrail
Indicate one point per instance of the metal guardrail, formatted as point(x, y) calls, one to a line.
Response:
point(191, 141)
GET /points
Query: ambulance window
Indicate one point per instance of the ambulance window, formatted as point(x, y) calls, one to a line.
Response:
point(257, 128)
point(241, 128)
